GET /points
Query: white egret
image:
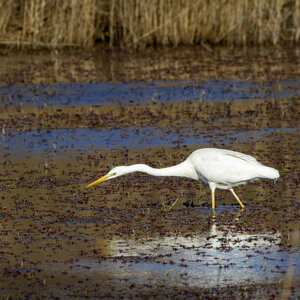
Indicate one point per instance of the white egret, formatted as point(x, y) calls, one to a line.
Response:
point(220, 168)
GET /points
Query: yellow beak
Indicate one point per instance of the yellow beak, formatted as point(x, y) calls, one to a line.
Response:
point(100, 180)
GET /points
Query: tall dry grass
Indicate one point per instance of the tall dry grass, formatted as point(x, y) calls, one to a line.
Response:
point(48, 23)
point(137, 23)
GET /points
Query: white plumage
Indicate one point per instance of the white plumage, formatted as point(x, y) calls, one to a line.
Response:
point(220, 168)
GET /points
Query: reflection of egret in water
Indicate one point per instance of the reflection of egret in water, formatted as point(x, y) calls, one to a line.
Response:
point(220, 256)
point(215, 241)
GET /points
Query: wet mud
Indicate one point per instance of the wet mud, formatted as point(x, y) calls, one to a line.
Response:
point(139, 236)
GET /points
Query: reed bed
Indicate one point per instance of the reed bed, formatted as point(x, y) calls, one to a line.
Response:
point(139, 23)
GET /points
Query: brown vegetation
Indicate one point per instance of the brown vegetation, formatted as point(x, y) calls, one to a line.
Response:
point(61, 23)
point(255, 114)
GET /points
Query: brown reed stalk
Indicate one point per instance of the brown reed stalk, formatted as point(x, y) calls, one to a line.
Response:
point(138, 23)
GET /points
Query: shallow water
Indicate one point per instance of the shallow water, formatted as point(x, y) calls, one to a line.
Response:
point(78, 94)
point(226, 259)
point(137, 235)
point(57, 141)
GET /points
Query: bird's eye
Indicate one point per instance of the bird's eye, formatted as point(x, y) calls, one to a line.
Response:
point(113, 174)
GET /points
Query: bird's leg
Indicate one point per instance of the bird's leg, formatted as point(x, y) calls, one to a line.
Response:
point(237, 198)
point(213, 200)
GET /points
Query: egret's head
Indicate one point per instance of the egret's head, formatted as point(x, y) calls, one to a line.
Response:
point(113, 173)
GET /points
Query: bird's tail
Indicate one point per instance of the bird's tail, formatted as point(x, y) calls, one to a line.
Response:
point(270, 173)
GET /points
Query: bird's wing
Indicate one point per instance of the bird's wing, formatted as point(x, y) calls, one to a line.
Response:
point(210, 153)
point(242, 156)
point(225, 166)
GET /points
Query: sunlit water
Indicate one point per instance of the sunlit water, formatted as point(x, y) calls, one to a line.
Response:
point(221, 260)
point(216, 258)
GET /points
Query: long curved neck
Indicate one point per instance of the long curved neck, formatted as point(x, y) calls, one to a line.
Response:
point(181, 170)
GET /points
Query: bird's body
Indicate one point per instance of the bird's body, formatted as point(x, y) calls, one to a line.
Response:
point(227, 169)
point(220, 168)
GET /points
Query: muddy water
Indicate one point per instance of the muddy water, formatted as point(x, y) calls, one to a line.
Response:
point(141, 236)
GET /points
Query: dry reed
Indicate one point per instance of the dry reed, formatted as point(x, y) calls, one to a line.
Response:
point(129, 23)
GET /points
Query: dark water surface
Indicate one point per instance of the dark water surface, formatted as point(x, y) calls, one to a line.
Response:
point(79, 94)
point(84, 140)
